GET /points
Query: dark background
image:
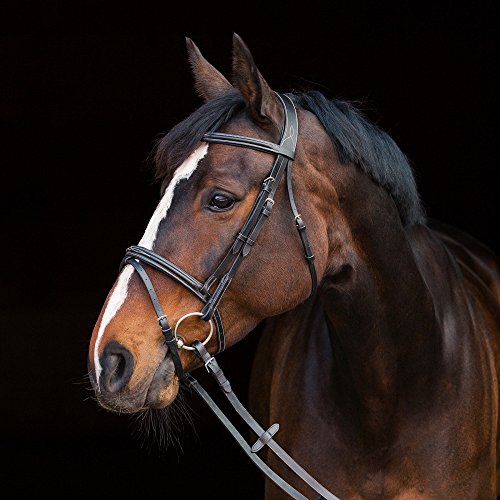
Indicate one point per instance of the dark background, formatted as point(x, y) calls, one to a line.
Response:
point(86, 87)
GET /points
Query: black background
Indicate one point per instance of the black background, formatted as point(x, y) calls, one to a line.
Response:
point(86, 87)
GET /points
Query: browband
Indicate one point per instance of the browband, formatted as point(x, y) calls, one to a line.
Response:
point(249, 142)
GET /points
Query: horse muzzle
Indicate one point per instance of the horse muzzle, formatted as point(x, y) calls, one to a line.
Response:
point(124, 387)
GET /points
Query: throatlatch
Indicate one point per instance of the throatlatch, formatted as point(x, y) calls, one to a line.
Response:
point(212, 290)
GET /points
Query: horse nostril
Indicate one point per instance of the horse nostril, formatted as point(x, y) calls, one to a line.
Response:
point(117, 367)
point(117, 361)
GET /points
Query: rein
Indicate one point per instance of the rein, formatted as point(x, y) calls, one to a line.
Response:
point(219, 281)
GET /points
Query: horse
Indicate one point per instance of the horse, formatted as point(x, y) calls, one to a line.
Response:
point(383, 377)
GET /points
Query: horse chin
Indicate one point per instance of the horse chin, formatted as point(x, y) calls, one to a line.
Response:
point(164, 386)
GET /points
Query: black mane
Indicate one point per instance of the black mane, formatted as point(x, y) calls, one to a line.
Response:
point(356, 140)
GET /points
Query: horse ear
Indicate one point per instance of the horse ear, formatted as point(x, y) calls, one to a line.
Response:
point(208, 81)
point(261, 100)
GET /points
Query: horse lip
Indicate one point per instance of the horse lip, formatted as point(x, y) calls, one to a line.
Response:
point(119, 403)
point(163, 377)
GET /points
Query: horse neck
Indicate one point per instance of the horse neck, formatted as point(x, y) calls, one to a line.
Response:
point(384, 340)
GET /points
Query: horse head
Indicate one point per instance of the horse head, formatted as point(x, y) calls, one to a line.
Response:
point(207, 193)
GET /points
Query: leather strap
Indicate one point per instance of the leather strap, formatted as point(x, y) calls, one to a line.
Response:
point(215, 370)
point(267, 191)
point(262, 205)
point(162, 318)
point(301, 228)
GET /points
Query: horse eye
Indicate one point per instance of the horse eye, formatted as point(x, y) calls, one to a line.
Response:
point(221, 202)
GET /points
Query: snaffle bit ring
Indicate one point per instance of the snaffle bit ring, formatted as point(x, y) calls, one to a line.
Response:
point(180, 340)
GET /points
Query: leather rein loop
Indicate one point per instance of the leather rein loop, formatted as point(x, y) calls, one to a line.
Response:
point(211, 291)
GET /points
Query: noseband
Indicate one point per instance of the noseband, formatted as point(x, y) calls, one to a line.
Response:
point(212, 290)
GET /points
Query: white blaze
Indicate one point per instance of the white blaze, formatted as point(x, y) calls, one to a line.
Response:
point(120, 291)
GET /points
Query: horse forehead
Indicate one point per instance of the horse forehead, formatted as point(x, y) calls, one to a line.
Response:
point(224, 160)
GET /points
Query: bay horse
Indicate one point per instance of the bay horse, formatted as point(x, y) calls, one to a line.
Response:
point(384, 379)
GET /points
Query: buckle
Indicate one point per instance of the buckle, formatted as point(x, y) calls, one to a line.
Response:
point(207, 363)
point(299, 223)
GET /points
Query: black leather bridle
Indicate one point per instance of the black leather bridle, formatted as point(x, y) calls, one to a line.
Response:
point(211, 291)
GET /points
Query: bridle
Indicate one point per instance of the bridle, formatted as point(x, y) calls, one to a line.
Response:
point(212, 290)
point(221, 277)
